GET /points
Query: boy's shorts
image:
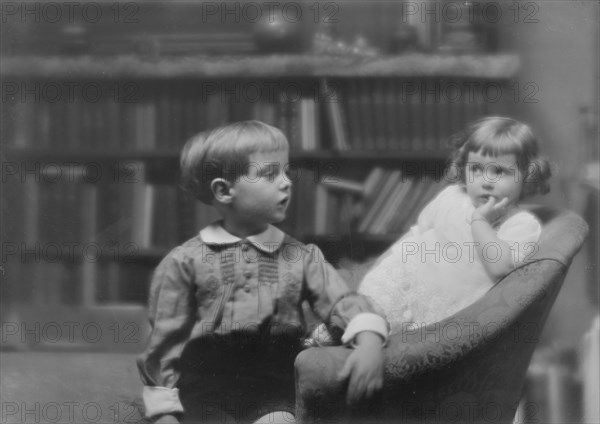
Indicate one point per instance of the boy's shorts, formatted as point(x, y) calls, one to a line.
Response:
point(234, 379)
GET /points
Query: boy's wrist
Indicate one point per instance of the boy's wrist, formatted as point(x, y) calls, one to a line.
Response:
point(369, 338)
point(168, 418)
point(365, 321)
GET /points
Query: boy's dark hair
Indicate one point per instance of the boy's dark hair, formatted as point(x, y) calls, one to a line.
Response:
point(494, 136)
point(224, 153)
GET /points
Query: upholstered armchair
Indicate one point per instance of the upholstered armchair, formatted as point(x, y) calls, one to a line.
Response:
point(468, 368)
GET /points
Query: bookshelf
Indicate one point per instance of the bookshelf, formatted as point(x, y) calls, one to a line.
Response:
point(92, 178)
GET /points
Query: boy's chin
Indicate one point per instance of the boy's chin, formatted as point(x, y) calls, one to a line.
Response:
point(278, 218)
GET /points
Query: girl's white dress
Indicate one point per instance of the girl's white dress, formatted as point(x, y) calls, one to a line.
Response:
point(434, 270)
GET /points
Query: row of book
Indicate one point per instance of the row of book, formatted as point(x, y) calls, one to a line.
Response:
point(77, 283)
point(110, 215)
point(387, 202)
point(143, 215)
point(367, 114)
point(76, 242)
point(393, 114)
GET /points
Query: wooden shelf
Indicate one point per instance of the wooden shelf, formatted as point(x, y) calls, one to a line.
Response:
point(502, 66)
point(171, 155)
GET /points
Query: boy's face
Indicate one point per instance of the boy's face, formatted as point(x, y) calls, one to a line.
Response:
point(493, 176)
point(261, 196)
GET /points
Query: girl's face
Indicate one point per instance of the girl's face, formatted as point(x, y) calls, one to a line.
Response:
point(493, 176)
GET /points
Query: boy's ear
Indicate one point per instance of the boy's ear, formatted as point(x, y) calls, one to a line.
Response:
point(221, 190)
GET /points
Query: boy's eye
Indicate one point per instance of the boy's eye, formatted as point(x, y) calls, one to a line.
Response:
point(269, 171)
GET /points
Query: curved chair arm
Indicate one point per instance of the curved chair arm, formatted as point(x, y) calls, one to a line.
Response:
point(477, 356)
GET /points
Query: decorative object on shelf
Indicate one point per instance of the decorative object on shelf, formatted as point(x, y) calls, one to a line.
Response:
point(75, 39)
point(190, 44)
point(405, 38)
point(280, 32)
point(325, 44)
point(463, 30)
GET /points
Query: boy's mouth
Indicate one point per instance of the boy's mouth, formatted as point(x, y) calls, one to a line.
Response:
point(284, 201)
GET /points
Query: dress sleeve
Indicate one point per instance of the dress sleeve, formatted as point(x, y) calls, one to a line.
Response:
point(172, 316)
point(521, 232)
point(345, 312)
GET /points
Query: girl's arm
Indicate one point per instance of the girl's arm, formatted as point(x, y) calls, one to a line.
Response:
point(494, 253)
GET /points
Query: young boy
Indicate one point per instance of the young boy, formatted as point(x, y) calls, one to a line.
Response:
point(225, 306)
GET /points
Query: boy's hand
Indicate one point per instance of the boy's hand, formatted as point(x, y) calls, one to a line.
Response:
point(365, 368)
point(167, 419)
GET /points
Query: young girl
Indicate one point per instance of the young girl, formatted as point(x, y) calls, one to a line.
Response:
point(471, 235)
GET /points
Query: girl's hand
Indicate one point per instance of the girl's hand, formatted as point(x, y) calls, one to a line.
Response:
point(365, 367)
point(491, 211)
point(167, 419)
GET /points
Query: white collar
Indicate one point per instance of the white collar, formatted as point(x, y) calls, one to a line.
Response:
point(268, 241)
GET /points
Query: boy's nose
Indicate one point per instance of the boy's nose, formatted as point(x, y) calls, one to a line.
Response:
point(286, 184)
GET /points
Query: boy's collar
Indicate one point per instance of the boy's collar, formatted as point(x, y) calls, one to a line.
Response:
point(268, 241)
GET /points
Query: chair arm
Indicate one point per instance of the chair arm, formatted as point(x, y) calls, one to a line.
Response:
point(513, 311)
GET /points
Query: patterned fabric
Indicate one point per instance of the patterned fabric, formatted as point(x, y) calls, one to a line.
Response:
point(252, 289)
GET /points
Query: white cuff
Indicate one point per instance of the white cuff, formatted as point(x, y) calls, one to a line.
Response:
point(365, 321)
point(161, 400)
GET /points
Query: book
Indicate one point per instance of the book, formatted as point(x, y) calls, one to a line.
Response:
point(370, 214)
point(393, 207)
point(353, 112)
point(323, 208)
point(89, 209)
point(417, 120)
point(427, 188)
point(367, 140)
point(380, 135)
point(142, 215)
point(336, 117)
point(345, 185)
point(371, 187)
point(309, 134)
point(175, 115)
point(390, 115)
point(383, 203)
point(24, 115)
point(373, 180)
